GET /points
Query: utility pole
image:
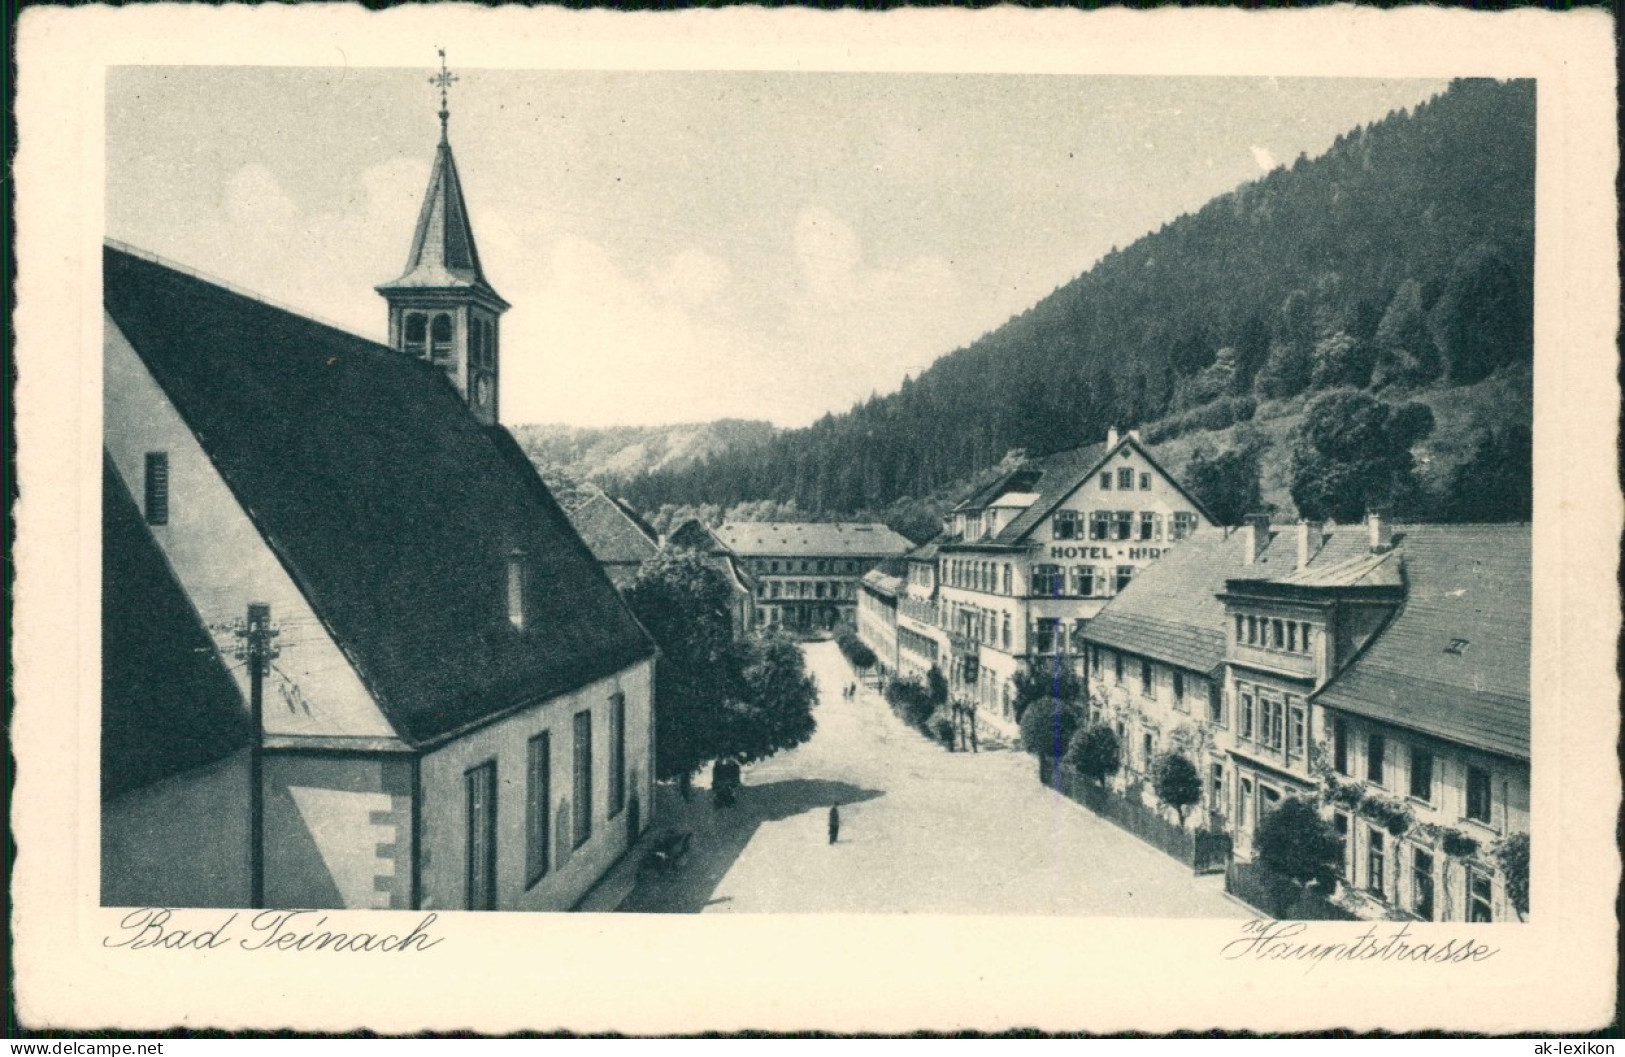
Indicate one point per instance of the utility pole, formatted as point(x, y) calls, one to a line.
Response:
point(256, 648)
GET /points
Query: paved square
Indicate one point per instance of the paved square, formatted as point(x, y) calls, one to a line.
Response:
point(923, 831)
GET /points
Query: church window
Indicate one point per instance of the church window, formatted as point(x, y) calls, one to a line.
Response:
point(440, 337)
point(417, 327)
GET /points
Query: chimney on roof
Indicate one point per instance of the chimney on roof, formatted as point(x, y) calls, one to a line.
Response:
point(1256, 527)
point(1111, 438)
point(1134, 434)
point(1310, 537)
point(1382, 532)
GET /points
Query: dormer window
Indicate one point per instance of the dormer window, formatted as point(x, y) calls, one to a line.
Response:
point(516, 590)
point(1456, 647)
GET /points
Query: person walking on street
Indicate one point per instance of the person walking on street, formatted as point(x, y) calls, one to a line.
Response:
point(834, 823)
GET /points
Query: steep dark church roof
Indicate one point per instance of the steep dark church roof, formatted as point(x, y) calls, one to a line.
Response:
point(393, 510)
point(168, 703)
point(443, 252)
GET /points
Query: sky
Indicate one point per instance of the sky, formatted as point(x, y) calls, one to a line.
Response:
point(687, 246)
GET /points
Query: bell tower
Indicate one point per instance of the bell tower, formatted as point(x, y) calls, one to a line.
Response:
point(442, 309)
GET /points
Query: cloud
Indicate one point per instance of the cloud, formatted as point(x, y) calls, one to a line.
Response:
point(1266, 161)
point(254, 199)
point(692, 276)
point(594, 341)
point(827, 252)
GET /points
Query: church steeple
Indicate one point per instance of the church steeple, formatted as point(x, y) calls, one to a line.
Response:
point(442, 308)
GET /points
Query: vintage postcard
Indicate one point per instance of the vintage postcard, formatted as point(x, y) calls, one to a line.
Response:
point(777, 520)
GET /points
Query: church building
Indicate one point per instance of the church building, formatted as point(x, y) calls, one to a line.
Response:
point(359, 656)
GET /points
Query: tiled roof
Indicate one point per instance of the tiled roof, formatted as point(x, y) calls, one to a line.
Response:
point(1043, 484)
point(927, 551)
point(1362, 570)
point(168, 703)
point(612, 536)
point(636, 518)
point(882, 583)
point(1468, 586)
point(1061, 474)
point(812, 539)
point(1171, 610)
point(390, 506)
point(693, 535)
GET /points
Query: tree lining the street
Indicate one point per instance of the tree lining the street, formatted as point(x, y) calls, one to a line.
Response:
point(715, 697)
point(855, 650)
point(1096, 752)
point(1047, 678)
point(1177, 783)
point(1048, 725)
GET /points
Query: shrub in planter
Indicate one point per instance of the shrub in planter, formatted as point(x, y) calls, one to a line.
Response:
point(1095, 752)
point(1047, 727)
point(1459, 845)
point(1392, 815)
point(1343, 794)
point(942, 728)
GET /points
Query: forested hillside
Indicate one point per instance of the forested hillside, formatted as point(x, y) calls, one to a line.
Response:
point(1397, 266)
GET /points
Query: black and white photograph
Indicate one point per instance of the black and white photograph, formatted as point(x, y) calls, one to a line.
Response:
point(811, 494)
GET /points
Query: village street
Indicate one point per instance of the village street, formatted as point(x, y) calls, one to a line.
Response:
point(922, 831)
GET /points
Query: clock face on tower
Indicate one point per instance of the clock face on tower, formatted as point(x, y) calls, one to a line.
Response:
point(482, 391)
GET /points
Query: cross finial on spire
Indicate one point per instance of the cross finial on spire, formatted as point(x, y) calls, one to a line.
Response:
point(443, 80)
